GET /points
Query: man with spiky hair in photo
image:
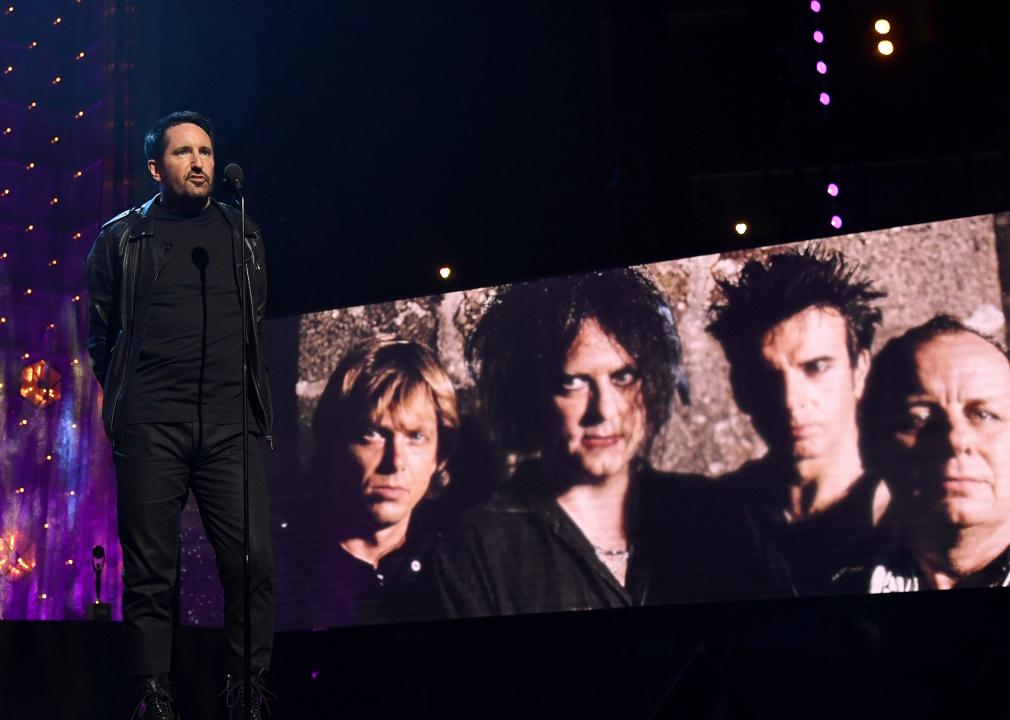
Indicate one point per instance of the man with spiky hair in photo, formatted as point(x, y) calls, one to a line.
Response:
point(575, 377)
point(797, 331)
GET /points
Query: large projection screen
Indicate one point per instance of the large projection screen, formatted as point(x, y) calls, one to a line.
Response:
point(950, 267)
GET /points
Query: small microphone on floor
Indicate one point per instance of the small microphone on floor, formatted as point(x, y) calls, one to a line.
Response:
point(98, 610)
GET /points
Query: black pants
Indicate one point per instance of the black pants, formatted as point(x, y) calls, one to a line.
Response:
point(157, 465)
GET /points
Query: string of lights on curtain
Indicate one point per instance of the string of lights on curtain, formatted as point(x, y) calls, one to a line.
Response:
point(817, 35)
point(56, 491)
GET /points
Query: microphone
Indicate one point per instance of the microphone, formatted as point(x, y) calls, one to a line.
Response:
point(200, 258)
point(233, 177)
point(98, 564)
point(98, 610)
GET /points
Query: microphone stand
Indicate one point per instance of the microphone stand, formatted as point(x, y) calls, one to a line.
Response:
point(246, 580)
point(244, 285)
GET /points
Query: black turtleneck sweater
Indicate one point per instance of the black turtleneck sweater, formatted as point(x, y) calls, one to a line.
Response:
point(190, 366)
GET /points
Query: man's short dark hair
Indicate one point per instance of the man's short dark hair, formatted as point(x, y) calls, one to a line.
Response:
point(519, 346)
point(891, 378)
point(154, 141)
point(765, 294)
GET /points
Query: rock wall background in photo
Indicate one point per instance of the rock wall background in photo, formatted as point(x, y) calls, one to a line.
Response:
point(950, 266)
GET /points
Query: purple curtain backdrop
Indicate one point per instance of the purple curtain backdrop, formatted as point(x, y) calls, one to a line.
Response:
point(57, 180)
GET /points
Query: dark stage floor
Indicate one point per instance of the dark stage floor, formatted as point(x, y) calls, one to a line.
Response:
point(934, 655)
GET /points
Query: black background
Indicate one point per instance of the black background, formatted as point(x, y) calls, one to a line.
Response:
point(521, 139)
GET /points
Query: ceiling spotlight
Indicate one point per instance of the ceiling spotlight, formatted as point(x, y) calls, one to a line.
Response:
point(885, 47)
point(741, 228)
point(445, 272)
point(882, 26)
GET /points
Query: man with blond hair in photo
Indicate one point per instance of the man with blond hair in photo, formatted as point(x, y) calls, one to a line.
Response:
point(385, 428)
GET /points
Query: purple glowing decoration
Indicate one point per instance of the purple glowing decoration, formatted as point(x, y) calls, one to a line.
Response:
point(57, 488)
point(815, 6)
point(836, 222)
point(314, 674)
point(818, 37)
point(822, 67)
point(832, 190)
point(40, 384)
point(825, 99)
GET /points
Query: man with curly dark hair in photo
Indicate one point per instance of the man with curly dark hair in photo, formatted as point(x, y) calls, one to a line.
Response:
point(797, 331)
point(575, 377)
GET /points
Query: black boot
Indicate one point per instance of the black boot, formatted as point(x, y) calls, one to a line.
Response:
point(234, 693)
point(155, 699)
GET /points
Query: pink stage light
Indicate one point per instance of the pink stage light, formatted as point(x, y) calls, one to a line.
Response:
point(822, 67)
point(836, 222)
point(818, 37)
point(832, 190)
point(815, 6)
point(825, 99)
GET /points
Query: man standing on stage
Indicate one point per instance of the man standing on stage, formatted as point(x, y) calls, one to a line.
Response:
point(166, 326)
point(937, 418)
point(797, 330)
point(575, 377)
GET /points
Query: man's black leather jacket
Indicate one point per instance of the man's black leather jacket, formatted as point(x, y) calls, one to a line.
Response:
point(123, 267)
